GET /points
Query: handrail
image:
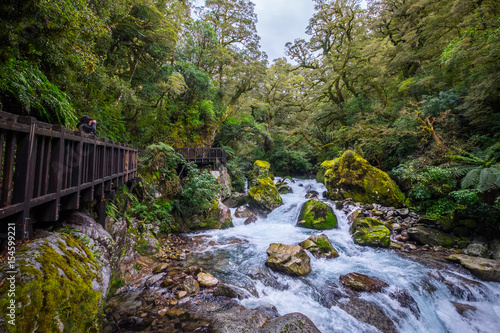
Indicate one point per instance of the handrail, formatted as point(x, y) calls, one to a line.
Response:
point(46, 168)
point(203, 155)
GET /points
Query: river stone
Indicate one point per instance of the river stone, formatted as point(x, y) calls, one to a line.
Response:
point(58, 277)
point(288, 259)
point(290, 323)
point(251, 219)
point(477, 250)
point(320, 247)
point(351, 176)
point(485, 269)
point(268, 309)
point(461, 308)
point(236, 199)
point(431, 237)
point(406, 301)
point(369, 313)
point(315, 214)
point(206, 280)
point(190, 285)
point(243, 211)
point(312, 194)
point(264, 197)
point(361, 282)
point(355, 214)
point(495, 249)
point(370, 232)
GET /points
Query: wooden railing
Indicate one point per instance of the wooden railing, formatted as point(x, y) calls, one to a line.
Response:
point(45, 169)
point(203, 155)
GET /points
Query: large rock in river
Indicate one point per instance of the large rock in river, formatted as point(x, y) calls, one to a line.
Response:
point(218, 217)
point(264, 197)
point(288, 259)
point(319, 246)
point(317, 215)
point(351, 176)
point(260, 171)
point(58, 287)
point(371, 232)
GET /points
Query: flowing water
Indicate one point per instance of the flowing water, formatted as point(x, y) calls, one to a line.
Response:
point(238, 254)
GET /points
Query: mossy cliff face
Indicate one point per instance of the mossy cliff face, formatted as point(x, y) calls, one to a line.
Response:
point(370, 232)
point(317, 215)
point(264, 197)
point(56, 287)
point(351, 176)
point(260, 170)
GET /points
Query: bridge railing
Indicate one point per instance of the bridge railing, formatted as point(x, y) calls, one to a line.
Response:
point(203, 155)
point(45, 169)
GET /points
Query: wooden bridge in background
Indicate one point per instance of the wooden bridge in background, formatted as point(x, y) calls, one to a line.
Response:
point(203, 155)
point(46, 168)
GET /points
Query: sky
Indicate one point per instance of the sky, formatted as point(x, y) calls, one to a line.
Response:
point(281, 21)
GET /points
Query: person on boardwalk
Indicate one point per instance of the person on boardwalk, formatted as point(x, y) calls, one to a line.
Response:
point(87, 125)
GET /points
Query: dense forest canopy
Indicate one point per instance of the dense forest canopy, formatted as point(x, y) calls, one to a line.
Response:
point(412, 85)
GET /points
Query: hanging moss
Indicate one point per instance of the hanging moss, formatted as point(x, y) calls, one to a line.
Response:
point(54, 287)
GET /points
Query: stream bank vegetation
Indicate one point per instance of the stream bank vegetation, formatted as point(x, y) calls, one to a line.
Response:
point(412, 87)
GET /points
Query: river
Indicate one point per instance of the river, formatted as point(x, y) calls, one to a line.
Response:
point(237, 256)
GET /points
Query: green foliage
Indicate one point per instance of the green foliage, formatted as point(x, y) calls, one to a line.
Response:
point(27, 85)
point(199, 191)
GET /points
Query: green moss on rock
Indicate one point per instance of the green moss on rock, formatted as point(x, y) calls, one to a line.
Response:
point(351, 176)
point(54, 287)
point(370, 232)
point(317, 215)
point(264, 197)
point(261, 169)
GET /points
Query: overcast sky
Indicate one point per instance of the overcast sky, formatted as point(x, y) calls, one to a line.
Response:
point(279, 22)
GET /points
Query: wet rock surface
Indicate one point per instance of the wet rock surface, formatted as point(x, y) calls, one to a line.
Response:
point(288, 259)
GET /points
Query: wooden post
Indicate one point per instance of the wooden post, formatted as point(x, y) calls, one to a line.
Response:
point(25, 177)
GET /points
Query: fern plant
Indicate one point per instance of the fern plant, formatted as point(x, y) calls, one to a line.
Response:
point(27, 84)
point(479, 173)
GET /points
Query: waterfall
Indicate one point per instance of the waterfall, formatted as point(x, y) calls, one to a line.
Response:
point(237, 256)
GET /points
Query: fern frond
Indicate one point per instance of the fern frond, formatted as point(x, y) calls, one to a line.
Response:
point(471, 178)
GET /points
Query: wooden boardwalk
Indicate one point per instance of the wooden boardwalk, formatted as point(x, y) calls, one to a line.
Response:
point(203, 155)
point(45, 169)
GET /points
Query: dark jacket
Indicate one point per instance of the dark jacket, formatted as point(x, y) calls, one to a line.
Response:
point(84, 126)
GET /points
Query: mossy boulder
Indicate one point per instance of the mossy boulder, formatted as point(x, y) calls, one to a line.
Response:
point(319, 246)
point(58, 287)
point(264, 197)
point(433, 237)
point(370, 232)
point(261, 169)
point(315, 214)
point(218, 217)
point(288, 259)
point(351, 176)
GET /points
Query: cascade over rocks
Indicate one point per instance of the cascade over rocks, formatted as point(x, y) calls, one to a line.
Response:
point(317, 215)
point(351, 176)
point(371, 232)
point(320, 247)
point(288, 259)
